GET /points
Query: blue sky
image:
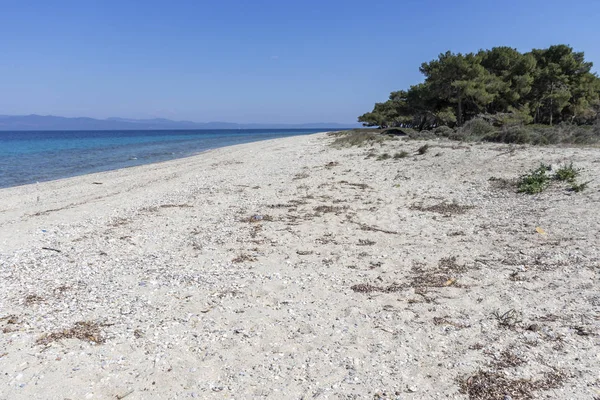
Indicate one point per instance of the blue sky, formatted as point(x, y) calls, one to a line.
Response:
point(254, 61)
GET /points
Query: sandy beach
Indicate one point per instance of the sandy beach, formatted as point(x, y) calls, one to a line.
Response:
point(289, 269)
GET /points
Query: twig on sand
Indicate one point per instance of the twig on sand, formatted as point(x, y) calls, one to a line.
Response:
point(122, 396)
point(51, 249)
point(365, 227)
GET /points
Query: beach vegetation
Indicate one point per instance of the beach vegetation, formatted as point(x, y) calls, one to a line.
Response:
point(535, 181)
point(359, 138)
point(544, 96)
point(423, 149)
point(538, 179)
point(566, 173)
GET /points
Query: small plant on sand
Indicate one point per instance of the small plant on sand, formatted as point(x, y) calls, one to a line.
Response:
point(566, 173)
point(535, 181)
point(578, 187)
point(402, 154)
point(423, 149)
point(383, 156)
point(539, 179)
point(510, 319)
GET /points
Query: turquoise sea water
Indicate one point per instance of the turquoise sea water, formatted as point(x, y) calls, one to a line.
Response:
point(29, 157)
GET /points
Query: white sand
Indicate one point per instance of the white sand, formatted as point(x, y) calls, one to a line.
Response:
point(148, 255)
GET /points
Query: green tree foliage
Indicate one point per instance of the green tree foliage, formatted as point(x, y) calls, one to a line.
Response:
point(543, 86)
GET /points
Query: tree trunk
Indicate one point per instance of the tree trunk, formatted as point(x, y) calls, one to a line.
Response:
point(459, 116)
point(551, 105)
point(422, 123)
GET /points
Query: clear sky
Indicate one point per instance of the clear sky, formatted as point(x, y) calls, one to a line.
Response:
point(275, 61)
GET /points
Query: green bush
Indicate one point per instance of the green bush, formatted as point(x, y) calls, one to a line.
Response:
point(422, 135)
point(510, 134)
point(444, 131)
point(535, 181)
point(477, 127)
point(566, 173)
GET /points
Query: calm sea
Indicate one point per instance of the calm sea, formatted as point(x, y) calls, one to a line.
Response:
point(29, 157)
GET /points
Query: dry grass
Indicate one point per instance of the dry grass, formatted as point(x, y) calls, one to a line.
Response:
point(61, 290)
point(120, 221)
point(508, 359)
point(244, 258)
point(330, 209)
point(444, 274)
point(447, 321)
point(258, 218)
point(301, 175)
point(84, 330)
point(356, 185)
point(32, 299)
point(502, 183)
point(509, 319)
point(487, 385)
point(367, 288)
point(447, 209)
point(256, 229)
point(365, 242)
point(370, 228)
point(176, 206)
point(10, 323)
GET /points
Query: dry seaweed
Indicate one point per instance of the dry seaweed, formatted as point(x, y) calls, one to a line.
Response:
point(446, 209)
point(83, 330)
point(368, 288)
point(486, 385)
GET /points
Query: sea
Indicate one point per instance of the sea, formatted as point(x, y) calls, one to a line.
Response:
point(36, 156)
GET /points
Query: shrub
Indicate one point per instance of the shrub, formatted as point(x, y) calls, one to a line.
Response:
point(476, 128)
point(358, 138)
point(422, 135)
point(423, 149)
point(402, 154)
point(578, 187)
point(566, 173)
point(535, 181)
point(383, 156)
point(510, 134)
point(444, 131)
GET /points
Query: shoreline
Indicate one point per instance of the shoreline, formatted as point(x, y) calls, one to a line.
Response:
point(158, 161)
point(32, 194)
point(286, 268)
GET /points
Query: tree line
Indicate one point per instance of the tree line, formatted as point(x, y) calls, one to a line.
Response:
point(543, 86)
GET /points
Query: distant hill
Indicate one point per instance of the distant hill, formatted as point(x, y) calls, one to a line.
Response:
point(52, 123)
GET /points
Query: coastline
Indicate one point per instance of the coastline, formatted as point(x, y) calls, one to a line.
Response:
point(62, 155)
point(48, 197)
point(286, 269)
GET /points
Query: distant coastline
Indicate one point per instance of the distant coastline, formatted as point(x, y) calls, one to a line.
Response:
point(35, 122)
